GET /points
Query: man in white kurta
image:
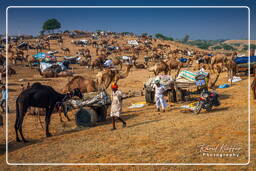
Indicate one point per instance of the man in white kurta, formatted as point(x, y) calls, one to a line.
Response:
point(116, 106)
point(159, 97)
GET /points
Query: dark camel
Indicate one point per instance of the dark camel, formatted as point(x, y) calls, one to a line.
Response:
point(40, 96)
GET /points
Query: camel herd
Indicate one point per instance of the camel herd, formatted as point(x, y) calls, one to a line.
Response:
point(150, 54)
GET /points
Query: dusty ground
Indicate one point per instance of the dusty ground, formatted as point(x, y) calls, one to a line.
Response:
point(150, 137)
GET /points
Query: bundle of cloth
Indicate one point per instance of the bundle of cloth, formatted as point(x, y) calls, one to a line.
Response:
point(188, 76)
point(98, 98)
point(165, 80)
point(45, 57)
point(58, 66)
point(133, 42)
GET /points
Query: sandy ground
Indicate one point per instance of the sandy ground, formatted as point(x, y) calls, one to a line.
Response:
point(150, 136)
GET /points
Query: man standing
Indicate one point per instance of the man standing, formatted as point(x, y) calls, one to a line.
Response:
point(116, 106)
point(4, 98)
point(159, 90)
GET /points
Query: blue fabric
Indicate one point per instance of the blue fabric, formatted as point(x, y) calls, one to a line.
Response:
point(39, 55)
point(183, 59)
point(224, 86)
point(4, 94)
point(242, 60)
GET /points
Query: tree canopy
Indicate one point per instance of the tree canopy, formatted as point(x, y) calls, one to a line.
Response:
point(51, 25)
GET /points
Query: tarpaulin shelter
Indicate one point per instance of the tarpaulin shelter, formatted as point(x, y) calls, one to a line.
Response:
point(242, 60)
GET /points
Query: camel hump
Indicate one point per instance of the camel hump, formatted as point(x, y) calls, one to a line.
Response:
point(37, 84)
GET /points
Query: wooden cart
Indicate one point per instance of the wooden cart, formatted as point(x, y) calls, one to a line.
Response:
point(176, 90)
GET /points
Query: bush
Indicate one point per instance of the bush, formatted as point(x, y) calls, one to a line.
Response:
point(217, 47)
point(253, 46)
point(228, 47)
point(161, 36)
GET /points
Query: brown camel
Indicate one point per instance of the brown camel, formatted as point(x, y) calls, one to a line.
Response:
point(65, 50)
point(116, 61)
point(85, 85)
point(174, 65)
point(120, 75)
point(219, 58)
point(159, 67)
point(105, 77)
point(232, 69)
point(139, 66)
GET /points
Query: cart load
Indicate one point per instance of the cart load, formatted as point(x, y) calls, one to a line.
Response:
point(178, 89)
point(92, 109)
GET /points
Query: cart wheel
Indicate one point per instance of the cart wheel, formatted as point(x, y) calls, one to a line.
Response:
point(86, 117)
point(180, 95)
point(101, 113)
point(172, 95)
point(149, 96)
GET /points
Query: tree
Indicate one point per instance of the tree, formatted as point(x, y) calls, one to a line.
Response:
point(228, 47)
point(217, 47)
point(185, 39)
point(161, 36)
point(51, 25)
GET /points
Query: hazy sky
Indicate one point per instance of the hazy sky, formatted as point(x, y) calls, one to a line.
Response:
point(210, 23)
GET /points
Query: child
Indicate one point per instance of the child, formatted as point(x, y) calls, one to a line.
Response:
point(159, 90)
point(116, 106)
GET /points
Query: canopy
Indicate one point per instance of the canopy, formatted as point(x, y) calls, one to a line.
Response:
point(241, 60)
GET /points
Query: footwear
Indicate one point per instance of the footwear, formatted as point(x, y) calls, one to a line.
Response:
point(113, 129)
point(124, 125)
point(163, 110)
point(158, 110)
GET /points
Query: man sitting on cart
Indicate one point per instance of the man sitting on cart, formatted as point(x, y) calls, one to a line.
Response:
point(159, 97)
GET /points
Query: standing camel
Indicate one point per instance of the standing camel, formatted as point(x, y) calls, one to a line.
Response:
point(40, 96)
point(65, 50)
point(85, 85)
point(159, 67)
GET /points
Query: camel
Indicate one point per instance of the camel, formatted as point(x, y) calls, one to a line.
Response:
point(11, 71)
point(85, 85)
point(105, 77)
point(212, 83)
point(98, 62)
point(48, 73)
point(139, 66)
point(65, 50)
point(116, 61)
point(120, 75)
point(16, 58)
point(41, 96)
point(219, 58)
point(232, 69)
point(30, 60)
point(159, 67)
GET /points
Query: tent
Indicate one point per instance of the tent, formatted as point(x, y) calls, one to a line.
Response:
point(133, 42)
point(242, 60)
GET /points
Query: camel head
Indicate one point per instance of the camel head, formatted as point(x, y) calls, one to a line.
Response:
point(76, 92)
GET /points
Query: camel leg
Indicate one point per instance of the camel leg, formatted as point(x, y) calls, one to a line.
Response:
point(17, 121)
point(65, 111)
point(20, 128)
point(47, 120)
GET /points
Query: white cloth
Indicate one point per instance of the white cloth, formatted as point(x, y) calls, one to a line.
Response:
point(108, 63)
point(116, 105)
point(159, 97)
